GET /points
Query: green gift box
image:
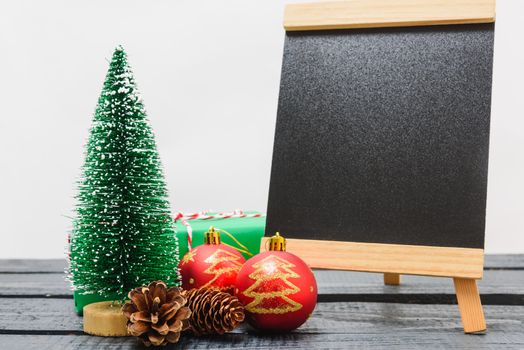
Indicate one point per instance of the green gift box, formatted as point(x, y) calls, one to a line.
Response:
point(241, 230)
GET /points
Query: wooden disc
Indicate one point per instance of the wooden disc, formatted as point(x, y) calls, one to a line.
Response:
point(105, 319)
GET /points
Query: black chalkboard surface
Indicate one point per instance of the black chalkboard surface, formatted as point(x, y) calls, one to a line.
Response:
point(382, 135)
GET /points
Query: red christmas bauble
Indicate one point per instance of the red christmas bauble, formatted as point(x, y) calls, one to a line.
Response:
point(211, 264)
point(278, 289)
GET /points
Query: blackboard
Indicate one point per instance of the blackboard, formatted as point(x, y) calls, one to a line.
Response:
point(382, 136)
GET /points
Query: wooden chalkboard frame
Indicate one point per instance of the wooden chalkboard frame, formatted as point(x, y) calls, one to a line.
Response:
point(464, 265)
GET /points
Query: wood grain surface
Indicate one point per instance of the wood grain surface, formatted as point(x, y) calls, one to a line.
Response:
point(386, 13)
point(356, 310)
point(389, 258)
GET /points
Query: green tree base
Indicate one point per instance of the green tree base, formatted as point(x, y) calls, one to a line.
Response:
point(82, 300)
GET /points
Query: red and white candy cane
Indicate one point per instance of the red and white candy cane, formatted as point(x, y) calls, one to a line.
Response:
point(185, 218)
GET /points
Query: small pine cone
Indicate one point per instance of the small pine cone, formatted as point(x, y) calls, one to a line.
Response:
point(213, 311)
point(156, 314)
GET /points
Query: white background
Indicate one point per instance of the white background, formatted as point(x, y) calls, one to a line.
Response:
point(209, 74)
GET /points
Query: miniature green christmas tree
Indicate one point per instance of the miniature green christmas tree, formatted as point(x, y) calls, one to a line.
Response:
point(123, 235)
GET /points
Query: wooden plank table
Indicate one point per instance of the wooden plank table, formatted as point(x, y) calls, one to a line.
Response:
point(355, 310)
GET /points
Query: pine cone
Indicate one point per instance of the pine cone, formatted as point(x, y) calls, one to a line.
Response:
point(156, 314)
point(213, 311)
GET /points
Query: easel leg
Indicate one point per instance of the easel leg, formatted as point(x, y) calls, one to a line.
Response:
point(391, 279)
point(469, 304)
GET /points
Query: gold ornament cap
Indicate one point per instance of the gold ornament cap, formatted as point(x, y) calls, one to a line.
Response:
point(212, 236)
point(277, 243)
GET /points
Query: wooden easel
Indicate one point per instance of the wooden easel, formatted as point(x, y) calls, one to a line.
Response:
point(464, 265)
